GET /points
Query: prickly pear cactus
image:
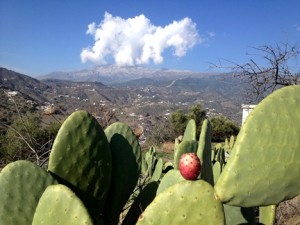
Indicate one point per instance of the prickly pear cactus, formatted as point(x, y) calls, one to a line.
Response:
point(59, 205)
point(158, 169)
point(238, 215)
point(187, 202)
point(81, 157)
point(264, 167)
point(126, 160)
point(231, 142)
point(216, 171)
point(150, 160)
point(190, 132)
point(170, 178)
point(22, 183)
point(267, 214)
point(204, 152)
point(145, 197)
point(215, 152)
point(184, 147)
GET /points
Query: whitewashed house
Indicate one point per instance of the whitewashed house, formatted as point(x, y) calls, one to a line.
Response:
point(246, 111)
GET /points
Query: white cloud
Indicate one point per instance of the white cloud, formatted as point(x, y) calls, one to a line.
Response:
point(135, 41)
point(297, 26)
point(211, 34)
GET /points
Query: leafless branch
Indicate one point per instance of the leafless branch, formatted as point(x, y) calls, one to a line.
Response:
point(278, 68)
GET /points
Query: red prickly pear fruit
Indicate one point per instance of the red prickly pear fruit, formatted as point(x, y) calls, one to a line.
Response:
point(189, 166)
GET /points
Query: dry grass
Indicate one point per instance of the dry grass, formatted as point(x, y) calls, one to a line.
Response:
point(166, 151)
point(167, 147)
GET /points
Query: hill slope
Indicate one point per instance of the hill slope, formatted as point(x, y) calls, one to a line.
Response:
point(149, 94)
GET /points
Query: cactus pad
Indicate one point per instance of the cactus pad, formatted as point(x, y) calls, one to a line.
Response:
point(145, 197)
point(264, 167)
point(204, 152)
point(216, 171)
point(126, 160)
point(237, 215)
point(170, 178)
point(187, 202)
point(190, 132)
point(267, 214)
point(158, 170)
point(81, 156)
point(59, 205)
point(22, 183)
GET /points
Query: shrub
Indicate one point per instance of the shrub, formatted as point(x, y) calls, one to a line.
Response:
point(223, 128)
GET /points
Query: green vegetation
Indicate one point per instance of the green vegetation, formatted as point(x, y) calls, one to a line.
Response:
point(223, 128)
point(175, 126)
point(104, 179)
point(178, 120)
point(27, 138)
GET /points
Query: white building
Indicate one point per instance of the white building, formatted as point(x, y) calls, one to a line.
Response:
point(246, 111)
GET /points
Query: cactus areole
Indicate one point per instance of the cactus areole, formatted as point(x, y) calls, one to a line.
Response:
point(189, 166)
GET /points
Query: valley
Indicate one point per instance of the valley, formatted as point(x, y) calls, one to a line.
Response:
point(139, 100)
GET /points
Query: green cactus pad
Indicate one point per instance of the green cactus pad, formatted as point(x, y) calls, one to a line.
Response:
point(190, 132)
point(81, 157)
point(267, 214)
point(170, 178)
point(226, 144)
point(184, 147)
point(59, 205)
point(126, 159)
point(168, 166)
point(150, 160)
point(22, 183)
point(215, 151)
point(216, 171)
point(140, 203)
point(264, 167)
point(204, 152)
point(237, 215)
point(187, 202)
point(158, 170)
point(231, 142)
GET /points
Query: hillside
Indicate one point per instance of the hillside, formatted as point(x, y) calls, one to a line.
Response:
point(30, 88)
point(19, 93)
point(139, 100)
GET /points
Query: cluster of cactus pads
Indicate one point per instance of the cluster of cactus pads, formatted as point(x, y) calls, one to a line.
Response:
point(92, 173)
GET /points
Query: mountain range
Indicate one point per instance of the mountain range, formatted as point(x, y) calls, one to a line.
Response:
point(134, 94)
point(113, 74)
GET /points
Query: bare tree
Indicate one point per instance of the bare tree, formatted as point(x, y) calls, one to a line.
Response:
point(25, 138)
point(104, 115)
point(271, 67)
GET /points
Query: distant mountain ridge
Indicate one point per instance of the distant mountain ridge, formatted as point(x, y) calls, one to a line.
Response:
point(112, 74)
point(130, 90)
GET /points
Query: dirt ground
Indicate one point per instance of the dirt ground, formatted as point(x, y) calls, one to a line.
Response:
point(288, 212)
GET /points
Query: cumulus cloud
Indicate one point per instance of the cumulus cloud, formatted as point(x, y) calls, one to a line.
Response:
point(136, 41)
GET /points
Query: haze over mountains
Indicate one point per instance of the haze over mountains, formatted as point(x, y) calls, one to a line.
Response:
point(135, 94)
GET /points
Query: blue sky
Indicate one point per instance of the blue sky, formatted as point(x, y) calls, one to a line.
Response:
point(38, 37)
